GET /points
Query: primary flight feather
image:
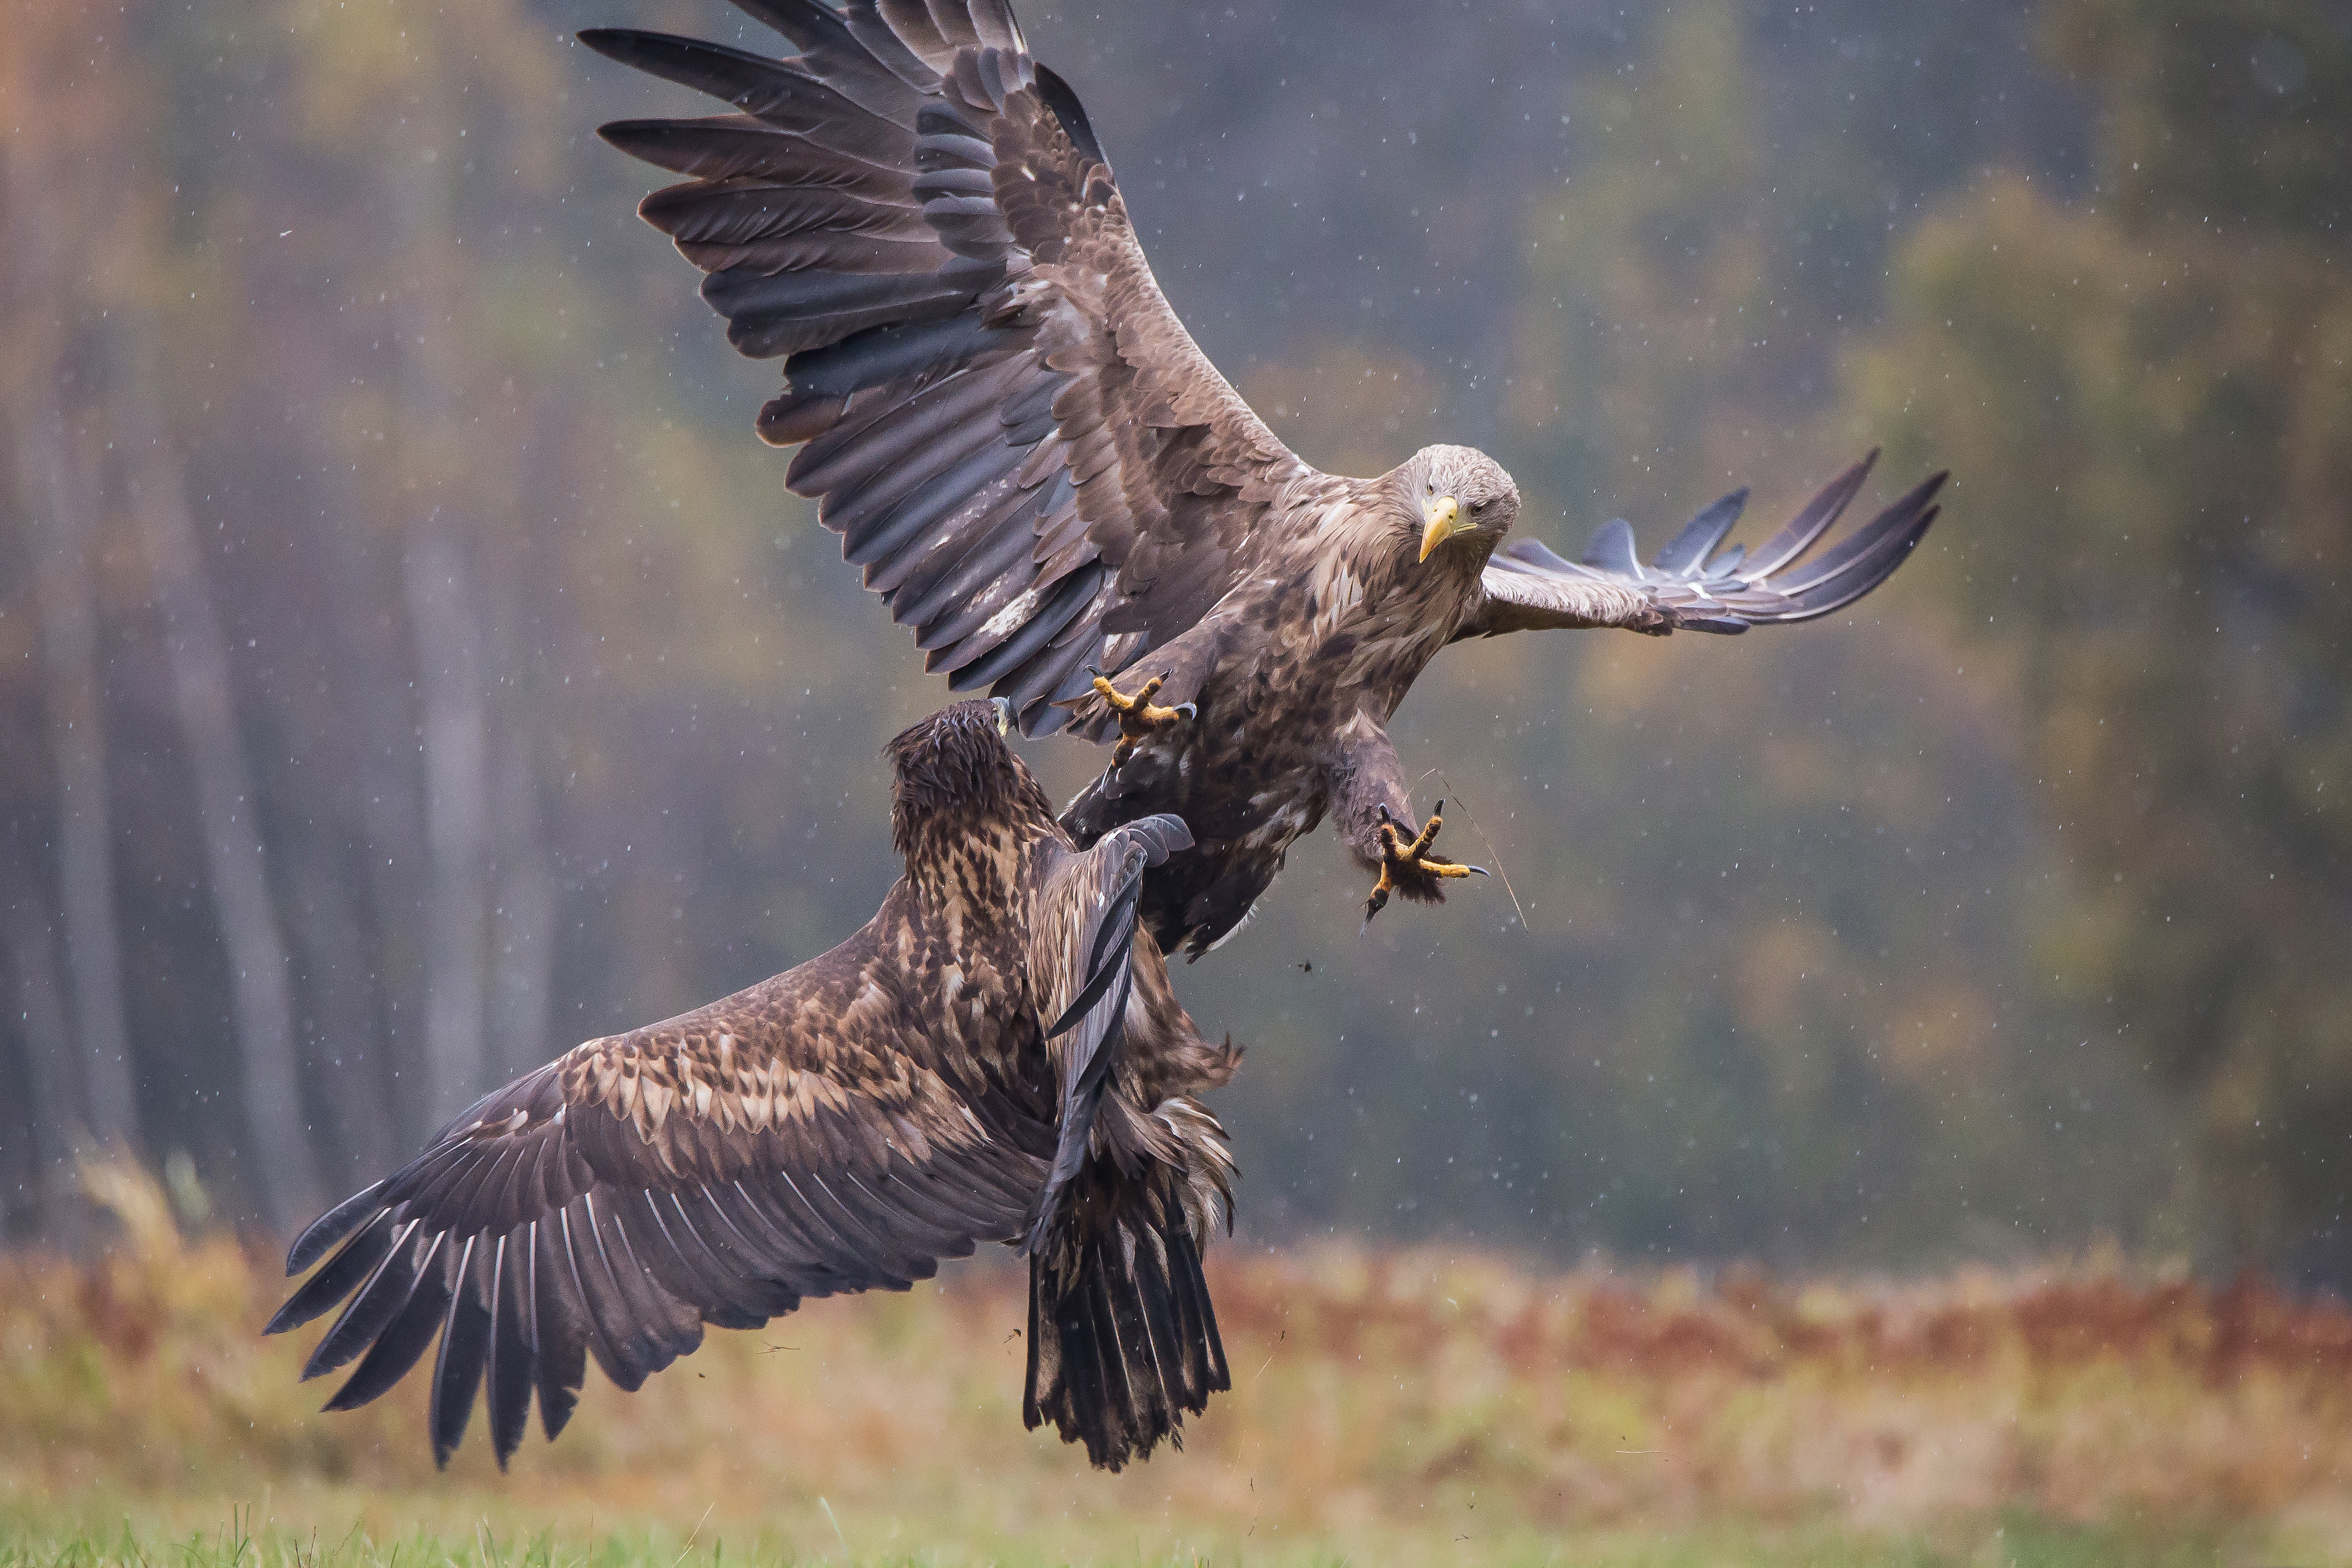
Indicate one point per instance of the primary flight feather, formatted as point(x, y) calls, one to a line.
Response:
point(996, 1055)
point(1045, 478)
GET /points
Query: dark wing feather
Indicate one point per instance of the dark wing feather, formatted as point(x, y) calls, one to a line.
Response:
point(716, 1169)
point(352, 1267)
point(514, 1350)
point(1692, 586)
point(1082, 940)
point(413, 1311)
point(921, 219)
point(465, 1351)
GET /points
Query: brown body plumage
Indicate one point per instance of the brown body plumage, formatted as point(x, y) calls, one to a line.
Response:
point(1263, 760)
point(1044, 476)
point(996, 1055)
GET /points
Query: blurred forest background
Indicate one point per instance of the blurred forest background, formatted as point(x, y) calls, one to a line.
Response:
point(410, 663)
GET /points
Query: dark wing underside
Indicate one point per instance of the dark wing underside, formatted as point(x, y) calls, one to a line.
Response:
point(1082, 945)
point(592, 1208)
point(1014, 436)
point(1694, 586)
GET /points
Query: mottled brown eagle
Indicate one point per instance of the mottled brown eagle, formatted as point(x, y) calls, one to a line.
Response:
point(1044, 476)
point(996, 1055)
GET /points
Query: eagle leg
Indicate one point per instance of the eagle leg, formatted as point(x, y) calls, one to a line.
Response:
point(1407, 864)
point(1138, 718)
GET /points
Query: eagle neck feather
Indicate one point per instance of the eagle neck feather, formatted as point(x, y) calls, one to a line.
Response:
point(965, 811)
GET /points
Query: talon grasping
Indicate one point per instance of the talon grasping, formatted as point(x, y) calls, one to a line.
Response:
point(1404, 861)
point(1136, 716)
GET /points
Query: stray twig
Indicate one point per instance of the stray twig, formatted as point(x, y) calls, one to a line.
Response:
point(1500, 869)
point(837, 1528)
point(696, 1531)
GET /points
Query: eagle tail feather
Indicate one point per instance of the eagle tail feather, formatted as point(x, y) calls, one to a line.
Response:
point(1123, 1342)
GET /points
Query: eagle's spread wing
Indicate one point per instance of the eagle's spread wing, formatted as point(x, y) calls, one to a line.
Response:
point(717, 1168)
point(1693, 587)
point(1011, 431)
point(1081, 944)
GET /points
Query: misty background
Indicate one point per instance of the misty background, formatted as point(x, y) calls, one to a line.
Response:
point(410, 663)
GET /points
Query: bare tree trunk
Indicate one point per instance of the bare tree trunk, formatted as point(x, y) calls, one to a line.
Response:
point(60, 526)
point(445, 621)
point(54, 1115)
point(260, 998)
point(56, 492)
point(456, 815)
point(525, 929)
point(376, 727)
point(341, 1059)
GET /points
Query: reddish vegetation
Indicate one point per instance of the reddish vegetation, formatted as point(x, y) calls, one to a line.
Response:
point(1743, 1323)
point(1374, 1392)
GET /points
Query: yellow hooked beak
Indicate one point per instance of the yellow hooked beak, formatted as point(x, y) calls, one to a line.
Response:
point(1444, 516)
point(1003, 715)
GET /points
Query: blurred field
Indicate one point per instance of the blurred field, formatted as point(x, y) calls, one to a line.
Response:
point(1410, 1406)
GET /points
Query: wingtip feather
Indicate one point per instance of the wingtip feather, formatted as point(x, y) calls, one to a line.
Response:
point(604, 41)
point(330, 1228)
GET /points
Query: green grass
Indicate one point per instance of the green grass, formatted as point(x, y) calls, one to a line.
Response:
point(247, 1537)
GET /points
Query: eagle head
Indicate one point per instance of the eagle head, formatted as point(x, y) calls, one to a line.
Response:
point(1459, 491)
point(955, 768)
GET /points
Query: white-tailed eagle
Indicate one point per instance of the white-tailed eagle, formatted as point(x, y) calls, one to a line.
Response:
point(1044, 478)
point(996, 1055)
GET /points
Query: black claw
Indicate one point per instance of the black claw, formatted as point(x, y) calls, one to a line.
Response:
point(1482, 870)
point(1190, 710)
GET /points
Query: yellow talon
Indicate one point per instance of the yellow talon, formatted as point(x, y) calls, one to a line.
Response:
point(1136, 716)
point(1398, 855)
